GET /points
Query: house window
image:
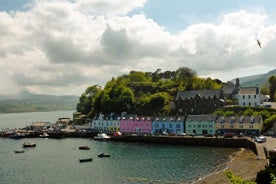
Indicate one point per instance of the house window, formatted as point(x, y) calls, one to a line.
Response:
point(249, 104)
point(241, 126)
point(156, 125)
point(251, 126)
point(243, 96)
point(221, 126)
point(248, 96)
point(198, 126)
point(170, 125)
point(255, 96)
point(210, 126)
point(231, 126)
point(177, 125)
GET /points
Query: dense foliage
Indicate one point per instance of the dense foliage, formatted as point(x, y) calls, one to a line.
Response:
point(143, 93)
point(272, 88)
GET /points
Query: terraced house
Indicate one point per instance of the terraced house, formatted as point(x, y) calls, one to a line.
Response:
point(200, 124)
point(168, 124)
point(108, 123)
point(134, 124)
point(247, 125)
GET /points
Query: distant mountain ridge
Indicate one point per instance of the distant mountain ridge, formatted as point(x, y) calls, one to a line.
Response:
point(29, 102)
point(255, 80)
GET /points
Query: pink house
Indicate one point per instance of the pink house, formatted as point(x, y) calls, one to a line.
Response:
point(136, 124)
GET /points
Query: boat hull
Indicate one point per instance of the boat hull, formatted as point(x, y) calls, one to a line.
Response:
point(85, 160)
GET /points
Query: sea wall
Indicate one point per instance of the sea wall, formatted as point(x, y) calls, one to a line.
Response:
point(193, 141)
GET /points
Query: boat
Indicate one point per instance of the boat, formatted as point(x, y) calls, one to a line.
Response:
point(103, 155)
point(84, 148)
point(44, 135)
point(102, 137)
point(19, 151)
point(29, 144)
point(86, 160)
point(17, 135)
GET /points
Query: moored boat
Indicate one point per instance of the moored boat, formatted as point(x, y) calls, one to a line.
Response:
point(29, 144)
point(86, 160)
point(19, 151)
point(102, 137)
point(17, 135)
point(44, 135)
point(84, 148)
point(103, 155)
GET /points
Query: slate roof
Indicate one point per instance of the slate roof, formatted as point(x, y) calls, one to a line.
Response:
point(201, 118)
point(249, 91)
point(229, 88)
point(169, 118)
point(239, 119)
point(202, 93)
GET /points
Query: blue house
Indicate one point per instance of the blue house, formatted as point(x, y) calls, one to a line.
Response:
point(168, 124)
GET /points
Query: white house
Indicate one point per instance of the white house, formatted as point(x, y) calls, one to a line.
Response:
point(106, 123)
point(249, 97)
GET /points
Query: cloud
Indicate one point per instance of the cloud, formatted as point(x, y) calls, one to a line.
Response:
point(107, 7)
point(65, 46)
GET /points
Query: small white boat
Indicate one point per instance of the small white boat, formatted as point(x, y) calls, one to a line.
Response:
point(44, 135)
point(29, 144)
point(102, 137)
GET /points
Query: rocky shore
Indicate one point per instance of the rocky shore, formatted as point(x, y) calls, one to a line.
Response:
point(243, 163)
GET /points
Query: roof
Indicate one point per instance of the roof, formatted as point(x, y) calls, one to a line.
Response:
point(201, 93)
point(249, 91)
point(229, 88)
point(201, 117)
point(169, 118)
point(239, 119)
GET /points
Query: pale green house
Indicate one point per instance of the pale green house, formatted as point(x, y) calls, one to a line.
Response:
point(200, 124)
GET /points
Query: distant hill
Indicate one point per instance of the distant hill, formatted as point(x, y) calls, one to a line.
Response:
point(256, 80)
point(29, 102)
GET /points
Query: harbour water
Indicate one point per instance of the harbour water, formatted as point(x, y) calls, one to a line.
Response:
point(57, 160)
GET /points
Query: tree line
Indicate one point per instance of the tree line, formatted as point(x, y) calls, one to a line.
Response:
point(148, 93)
point(142, 93)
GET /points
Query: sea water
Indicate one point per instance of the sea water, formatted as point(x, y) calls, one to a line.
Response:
point(57, 160)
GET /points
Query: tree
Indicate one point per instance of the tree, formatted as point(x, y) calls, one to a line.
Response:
point(87, 99)
point(272, 88)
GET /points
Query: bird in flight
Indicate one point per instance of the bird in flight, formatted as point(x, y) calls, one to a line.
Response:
point(259, 43)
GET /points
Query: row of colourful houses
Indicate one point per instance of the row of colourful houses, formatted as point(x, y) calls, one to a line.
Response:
point(190, 124)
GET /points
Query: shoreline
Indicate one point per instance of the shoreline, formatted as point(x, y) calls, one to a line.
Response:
point(243, 163)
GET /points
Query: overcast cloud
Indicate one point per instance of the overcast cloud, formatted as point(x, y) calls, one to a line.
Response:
point(62, 47)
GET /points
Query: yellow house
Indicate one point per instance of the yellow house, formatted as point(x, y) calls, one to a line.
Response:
point(247, 125)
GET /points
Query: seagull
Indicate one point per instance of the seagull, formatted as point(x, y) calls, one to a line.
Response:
point(259, 43)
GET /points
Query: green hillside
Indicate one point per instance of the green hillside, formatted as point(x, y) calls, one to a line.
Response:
point(28, 102)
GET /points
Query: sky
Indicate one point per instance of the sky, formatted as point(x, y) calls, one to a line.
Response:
point(61, 47)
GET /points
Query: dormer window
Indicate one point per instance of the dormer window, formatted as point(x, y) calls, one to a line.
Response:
point(252, 119)
point(222, 120)
point(232, 120)
point(241, 119)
